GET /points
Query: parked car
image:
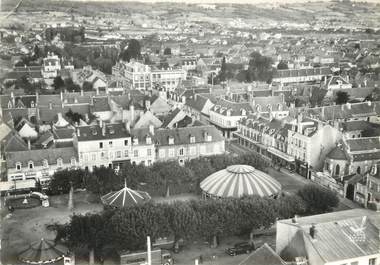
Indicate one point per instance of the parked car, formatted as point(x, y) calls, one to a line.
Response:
point(240, 248)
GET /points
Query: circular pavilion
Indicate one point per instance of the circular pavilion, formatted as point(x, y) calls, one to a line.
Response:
point(125, 197)
point(43, 252)
point(239, 180)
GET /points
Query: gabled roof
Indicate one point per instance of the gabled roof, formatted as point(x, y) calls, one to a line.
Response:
point(14, 143)
point(222, 106)
point(94, 132)
point(197, 103)
point(37, 156)
point(264, 255)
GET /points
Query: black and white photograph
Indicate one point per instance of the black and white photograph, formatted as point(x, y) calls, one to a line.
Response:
point(189, 132)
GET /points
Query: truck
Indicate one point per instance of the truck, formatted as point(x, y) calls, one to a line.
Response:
point(159, 257)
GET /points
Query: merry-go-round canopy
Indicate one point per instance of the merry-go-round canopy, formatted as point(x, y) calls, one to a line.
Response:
point(43, 252)
point(125, 197)
point(239, 180)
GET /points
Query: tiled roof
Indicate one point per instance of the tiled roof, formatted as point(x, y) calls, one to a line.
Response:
point(360, 125)
point(168, 119)
point(64, 133)
point(263, 255)
point(100, 104)
point(94, 132)
point(363, 144)
point(182, 135)
point(198, 103)
point(222, 106)
point(366, 156)
point(14, 143)
point(44, 100)
point(338, 154)
point(37, 156)
point(302, 72)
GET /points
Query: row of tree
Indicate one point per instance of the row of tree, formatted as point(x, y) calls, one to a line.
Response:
point(127, 228)
point(159, 179)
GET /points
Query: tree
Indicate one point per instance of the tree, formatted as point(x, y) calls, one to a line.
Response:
point(71, 86)
point(282, 65)
point(259, 68)
point(133, 51)
point(58, 83)
point(317, 96)
point(87, 86)
point(103, 180)
point(182, 221)
point(60, 181)
point(318, 199)
point(342, 97)
point(291, 205)
point(74, 117)
point(167, 51)
point(223, 70)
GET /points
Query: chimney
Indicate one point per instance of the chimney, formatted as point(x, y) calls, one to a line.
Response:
point(183, 99)
point(13, 99)
point(313, 231)
point(78, 132)
point(86, 117)
point(127, 126)
point(132, 111)
point(100, 123)
point(81, 92)
point(295, 219)
point(61, 96)
point(323, 113)
point(97, 91)
point(29, 145)
point(151, 129)
point(147, 104)
point(104, 129)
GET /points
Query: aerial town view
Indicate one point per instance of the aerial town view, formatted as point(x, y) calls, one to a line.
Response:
point(216, 132)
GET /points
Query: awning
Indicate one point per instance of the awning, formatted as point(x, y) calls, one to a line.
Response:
point(281, 154)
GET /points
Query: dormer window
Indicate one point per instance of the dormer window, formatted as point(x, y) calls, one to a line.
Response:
point(73, 161)
point(30, 165)
point(32, 104)
point(148, 139)
point(171, 140)
point(45, 163)
point(243, 112)
point(228, 112)
point(192, 139)
point(207, 137)
point(9, 105)
point(59, 162)
point(18, 166)
point(135, 141)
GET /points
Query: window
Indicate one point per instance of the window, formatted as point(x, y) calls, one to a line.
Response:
point(202, 150)
point(111, 155)
point(18, 166)
point(149, 152)
point(102, 155)
point(193, 150)
point(110, 143)
point(161, 153)
point(136, 153)
point(192, 139)
point(171, 152)
point(125, 142)
point(118, 154)
point(100, 145)
point(93, 157)
point(73, 161)
point(30, 165)
point(149, 162)
point(126, 153)
point(45, 163)
point(358, 170)
point(337, 169)
point(148, 140)
point(59, 162)
point(171, 140)
point(181, 152)
point(372, 261)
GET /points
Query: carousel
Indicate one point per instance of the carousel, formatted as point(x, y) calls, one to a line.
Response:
point(237, 181)
point(45, 252)
point(125, 197)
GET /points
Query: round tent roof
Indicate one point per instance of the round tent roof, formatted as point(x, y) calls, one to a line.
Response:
point(43, 251)
point(125, 197)
point(238, 180)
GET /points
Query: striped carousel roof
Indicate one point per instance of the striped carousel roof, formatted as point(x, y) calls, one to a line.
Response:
point(125, 197)
point(42, 252)
point(238, 180)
